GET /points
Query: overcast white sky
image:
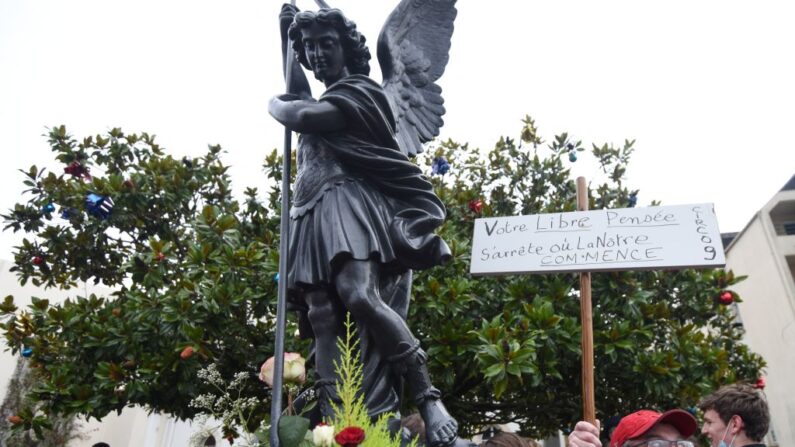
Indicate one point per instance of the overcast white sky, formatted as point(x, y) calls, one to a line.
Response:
point(707, 88)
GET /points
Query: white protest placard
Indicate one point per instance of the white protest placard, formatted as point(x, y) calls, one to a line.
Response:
point(659, 237)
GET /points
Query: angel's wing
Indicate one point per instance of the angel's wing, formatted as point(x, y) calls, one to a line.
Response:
point(413, 49)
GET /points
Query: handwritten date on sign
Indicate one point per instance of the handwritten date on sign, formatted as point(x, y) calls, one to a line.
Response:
point(618, 239)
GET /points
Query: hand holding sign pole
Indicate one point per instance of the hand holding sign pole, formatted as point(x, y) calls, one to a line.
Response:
point(588, 392)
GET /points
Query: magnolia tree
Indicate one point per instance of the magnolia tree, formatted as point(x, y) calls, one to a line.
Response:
point(194, 277)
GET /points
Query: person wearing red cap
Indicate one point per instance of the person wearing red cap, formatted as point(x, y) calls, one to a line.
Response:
point(644, 428)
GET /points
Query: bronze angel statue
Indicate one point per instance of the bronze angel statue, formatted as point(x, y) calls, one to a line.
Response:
point(363, 215)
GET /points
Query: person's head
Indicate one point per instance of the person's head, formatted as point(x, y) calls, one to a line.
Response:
point(643, 427)
point(609, 427)
point(327, 43)
point(736, 412)
point(415, 425)
point(503, 439)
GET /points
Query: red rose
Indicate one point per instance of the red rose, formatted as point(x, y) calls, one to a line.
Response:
point(186, 353)
point(350, 437)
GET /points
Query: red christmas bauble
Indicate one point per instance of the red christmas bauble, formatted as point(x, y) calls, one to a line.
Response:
point(186, 353)
point(726, 298)
point(476, 206)
point(38, 260)
point(760, 383)
point(15, 420)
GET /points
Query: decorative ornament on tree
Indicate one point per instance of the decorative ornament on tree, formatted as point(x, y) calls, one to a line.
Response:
point(27, 352)
point(14, 420)
point(350, 437)
point(572, 156)
point(440, 166)
point(99, 206)
point(129, 184)
point(186, 353)
point(76, 169)
point(476, 206)
point(68, 213)
point(48, 208)
point(760, 383)
point(726, 298)
point(37, 260)
point(160, 256)
point(633, 199)
point(276, 278)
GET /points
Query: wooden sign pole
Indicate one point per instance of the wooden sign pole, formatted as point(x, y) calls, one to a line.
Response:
point(586, 318)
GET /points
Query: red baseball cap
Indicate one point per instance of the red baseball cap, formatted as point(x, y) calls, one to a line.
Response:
point(639, 422)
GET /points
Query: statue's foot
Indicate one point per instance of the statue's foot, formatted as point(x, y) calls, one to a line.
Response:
point(440, 428)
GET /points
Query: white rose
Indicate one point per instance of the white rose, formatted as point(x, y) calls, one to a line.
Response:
point(323, 436)
point(294, 369)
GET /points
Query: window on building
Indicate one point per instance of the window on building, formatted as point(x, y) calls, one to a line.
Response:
point(783, 217)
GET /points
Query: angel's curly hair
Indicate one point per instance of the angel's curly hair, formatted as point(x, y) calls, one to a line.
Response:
point(357, 54)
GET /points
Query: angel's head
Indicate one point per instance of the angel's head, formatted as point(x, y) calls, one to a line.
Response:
point(310, 31)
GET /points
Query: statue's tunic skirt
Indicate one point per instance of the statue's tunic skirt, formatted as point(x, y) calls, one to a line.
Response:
point(348, 220)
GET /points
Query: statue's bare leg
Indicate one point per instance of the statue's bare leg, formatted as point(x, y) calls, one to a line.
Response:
point(357, 286)
point(325, 316)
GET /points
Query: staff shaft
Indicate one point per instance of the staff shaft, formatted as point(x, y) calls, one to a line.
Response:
point(284, 248)
point(586, 319)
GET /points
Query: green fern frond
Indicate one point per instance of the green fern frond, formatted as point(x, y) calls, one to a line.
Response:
point(352, 412)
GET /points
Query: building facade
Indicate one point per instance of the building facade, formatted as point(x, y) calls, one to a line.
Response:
point(765, 251)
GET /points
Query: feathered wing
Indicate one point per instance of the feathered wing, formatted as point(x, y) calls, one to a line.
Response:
point(413, 50)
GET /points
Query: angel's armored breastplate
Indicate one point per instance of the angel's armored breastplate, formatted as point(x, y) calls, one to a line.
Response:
point(318, 171)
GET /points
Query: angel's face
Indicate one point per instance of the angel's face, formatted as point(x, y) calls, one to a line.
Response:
point(324, 52)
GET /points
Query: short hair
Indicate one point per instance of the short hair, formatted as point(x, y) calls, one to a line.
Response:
point(357, 55)
point(415, 425)
point(742, 400)
point(504, 439)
